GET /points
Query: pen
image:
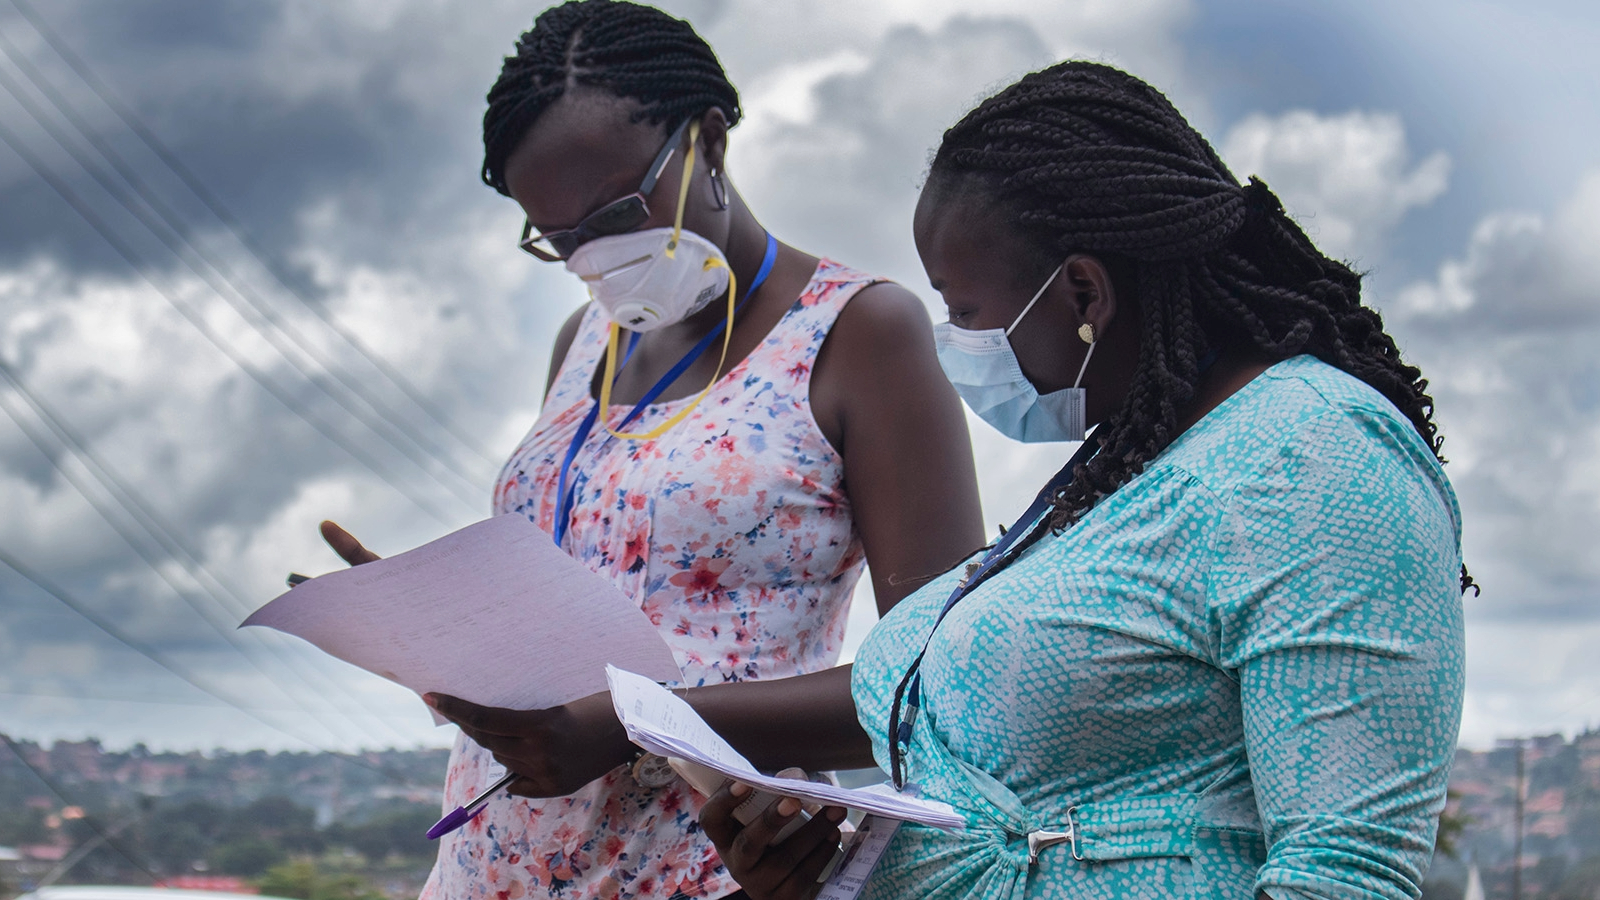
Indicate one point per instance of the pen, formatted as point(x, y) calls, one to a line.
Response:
point(464, 814)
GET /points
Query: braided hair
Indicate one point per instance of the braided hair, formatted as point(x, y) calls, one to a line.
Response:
point(630, 50)
point(1083, 157)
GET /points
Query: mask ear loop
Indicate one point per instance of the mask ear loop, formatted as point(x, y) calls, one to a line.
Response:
point(1085, 367)
point(683, 190)
point(1040, 293)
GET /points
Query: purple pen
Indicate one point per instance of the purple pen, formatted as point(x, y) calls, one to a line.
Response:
point(464, 814)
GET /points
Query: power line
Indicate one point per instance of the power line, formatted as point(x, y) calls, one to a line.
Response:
point(101, 834)
point(145, 701)
point(225, 632)
point(155, 526)
point(156, 656)
point(220, 211)
point(372, 464)
point(120, 492)
point(251, 310)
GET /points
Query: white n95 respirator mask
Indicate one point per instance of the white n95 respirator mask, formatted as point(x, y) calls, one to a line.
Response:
point(643, 282)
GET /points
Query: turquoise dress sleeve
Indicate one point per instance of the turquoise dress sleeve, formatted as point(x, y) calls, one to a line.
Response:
point(1334, 584)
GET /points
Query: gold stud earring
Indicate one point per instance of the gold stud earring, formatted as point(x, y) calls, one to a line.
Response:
point(1086, 332)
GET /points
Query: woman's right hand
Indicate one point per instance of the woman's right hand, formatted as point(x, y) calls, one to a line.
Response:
point(345, 544)
point(786, 871)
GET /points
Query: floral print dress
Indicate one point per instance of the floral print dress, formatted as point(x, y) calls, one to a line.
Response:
point(733, 532)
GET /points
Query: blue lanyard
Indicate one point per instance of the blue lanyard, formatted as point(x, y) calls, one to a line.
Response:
point(909, 692)
point(564, 493)
point(910, 688)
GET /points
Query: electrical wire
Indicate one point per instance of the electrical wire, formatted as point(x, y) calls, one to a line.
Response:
point(223, 631)
point(167, 538)
point(250, 310)
point(161, 659)
point(102, 834)
point(223, 215)
point(371, 463)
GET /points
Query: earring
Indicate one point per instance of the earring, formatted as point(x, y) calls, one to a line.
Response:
point(1086, 333)
point(719, 190)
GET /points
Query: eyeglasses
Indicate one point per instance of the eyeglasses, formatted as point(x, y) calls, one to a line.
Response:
point(617, 217)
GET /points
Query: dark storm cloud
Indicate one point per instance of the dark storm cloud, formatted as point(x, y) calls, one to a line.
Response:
point(211, 81)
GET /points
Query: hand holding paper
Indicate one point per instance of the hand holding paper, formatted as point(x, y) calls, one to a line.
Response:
point(663, 723)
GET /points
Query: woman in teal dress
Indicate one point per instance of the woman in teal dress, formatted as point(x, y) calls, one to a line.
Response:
point(1222, 657)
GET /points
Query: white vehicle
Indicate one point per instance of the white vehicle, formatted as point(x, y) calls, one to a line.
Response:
point(118, 892)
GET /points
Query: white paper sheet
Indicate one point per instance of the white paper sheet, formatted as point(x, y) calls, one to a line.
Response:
point(494, 613)
point(661, 722)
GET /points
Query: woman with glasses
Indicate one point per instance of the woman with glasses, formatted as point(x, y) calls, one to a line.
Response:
point(730, 429)
point(1221, 656)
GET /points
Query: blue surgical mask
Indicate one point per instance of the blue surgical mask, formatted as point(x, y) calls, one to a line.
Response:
point(985, 372)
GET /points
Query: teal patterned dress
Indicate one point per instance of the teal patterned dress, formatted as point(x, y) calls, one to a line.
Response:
point(1241, 673)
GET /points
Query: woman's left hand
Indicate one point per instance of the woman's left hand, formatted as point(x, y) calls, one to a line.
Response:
point(556, 750)
point(768, 871)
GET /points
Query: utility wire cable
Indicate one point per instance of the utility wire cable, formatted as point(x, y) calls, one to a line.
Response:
point(156, 656)
point(225, 631)
point(181, 231)
point(275, 337)
point(102, 835)
point(219, 210)
point(170, 541)
point(371, 463)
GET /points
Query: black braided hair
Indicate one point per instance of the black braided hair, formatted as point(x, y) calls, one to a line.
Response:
point(630, 50)
point(1086, 158)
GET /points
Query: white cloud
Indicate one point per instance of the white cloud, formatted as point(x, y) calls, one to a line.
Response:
point(1530, 678)
point(1506, 335)
point(753, 38)
point(1348, 179)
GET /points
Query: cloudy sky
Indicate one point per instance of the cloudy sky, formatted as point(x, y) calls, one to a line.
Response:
point(249, 280)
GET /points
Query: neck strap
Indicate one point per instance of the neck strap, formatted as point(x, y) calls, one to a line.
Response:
point(564, 491)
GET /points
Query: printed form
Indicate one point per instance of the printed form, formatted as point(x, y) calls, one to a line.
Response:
point(495, 614)
point(661, 722)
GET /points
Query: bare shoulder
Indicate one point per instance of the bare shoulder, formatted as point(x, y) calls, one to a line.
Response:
point(564, 338)
point(880, 350)
point(884, 310)
point(883, 325)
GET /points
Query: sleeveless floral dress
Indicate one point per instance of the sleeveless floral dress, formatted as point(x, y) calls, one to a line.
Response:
point(733, 532)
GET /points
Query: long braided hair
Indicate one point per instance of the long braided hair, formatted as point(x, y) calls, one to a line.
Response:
point(630, 50)
point(1086, 158)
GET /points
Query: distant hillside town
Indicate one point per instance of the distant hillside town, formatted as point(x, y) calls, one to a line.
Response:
point(324, 826)
point(329, 826)
point(1559, 816)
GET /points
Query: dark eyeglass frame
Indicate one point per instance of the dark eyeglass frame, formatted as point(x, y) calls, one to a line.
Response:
point(617, 217)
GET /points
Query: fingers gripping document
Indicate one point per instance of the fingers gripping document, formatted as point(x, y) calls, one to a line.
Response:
point(661, 722)
point(495, 614)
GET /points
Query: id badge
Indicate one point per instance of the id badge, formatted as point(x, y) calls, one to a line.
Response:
point(862, 850)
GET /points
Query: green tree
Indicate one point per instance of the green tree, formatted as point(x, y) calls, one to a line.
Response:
point(302, 880)
point(1451, 826)
point(248, 857)
point(1579, 882)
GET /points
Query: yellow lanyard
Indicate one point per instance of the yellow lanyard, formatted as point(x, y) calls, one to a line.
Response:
point(611, 368)
point(727, 334)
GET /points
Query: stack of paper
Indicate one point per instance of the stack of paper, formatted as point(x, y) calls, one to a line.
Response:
point(661, 722)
